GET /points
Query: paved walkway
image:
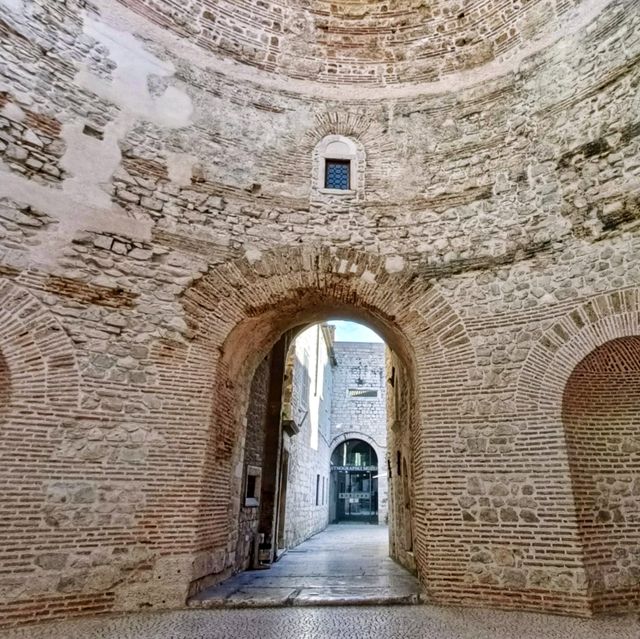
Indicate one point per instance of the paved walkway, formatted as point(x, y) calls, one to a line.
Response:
point(354, 622)
point(345, 564)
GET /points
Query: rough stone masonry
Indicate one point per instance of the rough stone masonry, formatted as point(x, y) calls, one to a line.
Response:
point(164, 224)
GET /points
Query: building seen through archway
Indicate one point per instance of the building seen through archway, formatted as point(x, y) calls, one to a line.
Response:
point(323, 461)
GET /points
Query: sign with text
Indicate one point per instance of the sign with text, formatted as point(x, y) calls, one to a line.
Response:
point(354, 496)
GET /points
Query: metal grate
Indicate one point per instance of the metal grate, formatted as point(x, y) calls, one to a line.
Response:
point(337, 174)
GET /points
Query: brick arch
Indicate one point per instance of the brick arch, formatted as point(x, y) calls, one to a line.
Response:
point(37, 356)
point(547, 381)
point(299, 149)
point(237, 312)
point(601, 419)
point(567, 342)
point(355, 434)
point(291, 286)
point(350, 125)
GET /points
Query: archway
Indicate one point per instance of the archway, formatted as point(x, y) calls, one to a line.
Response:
point(401, 436)
point(321, 392)
point(239, 311)
point(601, 416)
point(560, 391)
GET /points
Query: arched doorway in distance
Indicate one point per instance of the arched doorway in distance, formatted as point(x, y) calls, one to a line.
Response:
point(354, 483)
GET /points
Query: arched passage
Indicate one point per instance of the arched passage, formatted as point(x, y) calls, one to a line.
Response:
point(239, 311)
point(404, 429)
point(601, 416)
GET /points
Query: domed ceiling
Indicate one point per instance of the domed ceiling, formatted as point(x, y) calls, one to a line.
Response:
point(359, 41)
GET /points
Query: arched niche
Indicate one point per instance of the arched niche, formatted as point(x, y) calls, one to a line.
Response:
point(601, 417)
point(343, 151)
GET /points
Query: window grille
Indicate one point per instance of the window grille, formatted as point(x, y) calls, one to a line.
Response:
point(337, 174)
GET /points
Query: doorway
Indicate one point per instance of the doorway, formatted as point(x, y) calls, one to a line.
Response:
point(354, 475)
point(324, 451)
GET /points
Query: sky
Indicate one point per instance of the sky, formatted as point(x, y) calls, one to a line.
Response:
point(352, 332)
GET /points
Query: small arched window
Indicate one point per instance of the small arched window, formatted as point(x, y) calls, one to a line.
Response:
point(339, 166)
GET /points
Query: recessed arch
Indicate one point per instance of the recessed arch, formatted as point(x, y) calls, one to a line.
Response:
point(39, 397)
point(601, 417)
point(353, 434)
point(547, 379)
point(38, 360)
point(355, 468)
point(362, 442)
point(568, 341)
point(344, 149)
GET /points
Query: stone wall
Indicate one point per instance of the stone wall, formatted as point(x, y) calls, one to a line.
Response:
point(380, 41)
point(361, 366)
point(249, 519)
point(401, 471)
point(312, 371)
point(159, 236)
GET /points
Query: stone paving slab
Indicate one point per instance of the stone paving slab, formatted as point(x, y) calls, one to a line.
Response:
point(260, 597)
point(343, 565)
point(319, 581)
point(355, 622)
point(348, 596)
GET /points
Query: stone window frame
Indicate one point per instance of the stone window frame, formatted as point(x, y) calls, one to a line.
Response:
point(338, 147)
point(253, 471)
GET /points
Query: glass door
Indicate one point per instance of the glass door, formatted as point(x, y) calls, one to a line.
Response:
point(354, 466)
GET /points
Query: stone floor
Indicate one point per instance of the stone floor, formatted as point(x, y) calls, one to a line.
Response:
point(345, 564)
point(353, 622)
point(298, 599)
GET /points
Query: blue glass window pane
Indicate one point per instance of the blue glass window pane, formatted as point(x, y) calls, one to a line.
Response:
point(337, 174)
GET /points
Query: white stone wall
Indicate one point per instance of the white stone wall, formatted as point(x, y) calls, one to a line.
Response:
point(309, 449)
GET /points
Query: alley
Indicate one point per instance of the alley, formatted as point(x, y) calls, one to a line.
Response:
point(344, 564)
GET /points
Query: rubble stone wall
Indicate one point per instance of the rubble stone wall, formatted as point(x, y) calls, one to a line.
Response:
point(366, 41)
point(159, 236)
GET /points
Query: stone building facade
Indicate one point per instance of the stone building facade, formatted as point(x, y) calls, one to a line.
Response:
point(308, 451)
point(315, 412)
point(162, 230)
point(359, 405)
